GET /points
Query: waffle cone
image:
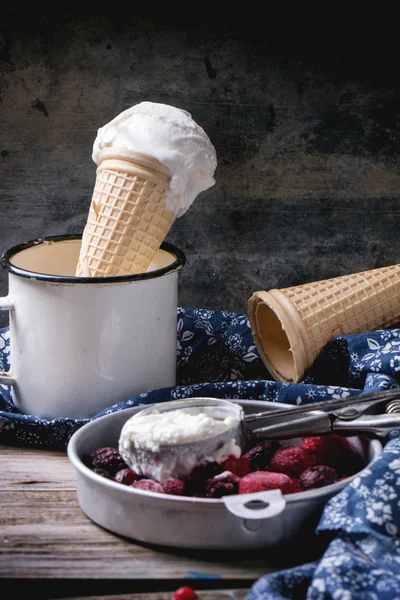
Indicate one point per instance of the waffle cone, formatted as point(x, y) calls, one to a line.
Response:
point(291, 326)
point(128, 218)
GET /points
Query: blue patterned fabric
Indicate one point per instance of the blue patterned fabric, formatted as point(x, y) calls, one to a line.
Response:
point(217, 357)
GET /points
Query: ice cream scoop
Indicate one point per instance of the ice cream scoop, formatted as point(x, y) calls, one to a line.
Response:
point(170, 439)
point(153, 160)
point(171, 136)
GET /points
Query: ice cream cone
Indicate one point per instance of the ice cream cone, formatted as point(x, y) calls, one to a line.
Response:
point(128, 217)
point(291, 326)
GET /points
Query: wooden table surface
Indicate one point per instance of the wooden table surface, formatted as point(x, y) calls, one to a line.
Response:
point(49, 547)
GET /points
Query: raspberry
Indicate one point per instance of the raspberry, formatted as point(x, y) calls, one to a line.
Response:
point(259, 481)
point(238, 466)
point(125, 476)
point(334, 451)
point(185, 593)
point(317, 476)
point(174, 487)
point(296, 485)
point(148, 485)
point(196, 481)
point(291, 460)
point(224, 484)
point(260, 455)
point(102, 472)
point(107, 458)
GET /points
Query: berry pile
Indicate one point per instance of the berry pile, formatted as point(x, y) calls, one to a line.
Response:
point(317, 462)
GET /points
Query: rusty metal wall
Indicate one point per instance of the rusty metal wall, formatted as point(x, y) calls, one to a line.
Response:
point(306, 132)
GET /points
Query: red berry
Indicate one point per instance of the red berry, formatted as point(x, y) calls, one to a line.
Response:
point(185, 593)
point(148, 485)
point(102, 472)
point(291, 460)
point(296, 485)
point(327, 449)
point(317, 476)
point(174, 487)
point(107, 458)
point(334, 451)
point(224, 484)
point(238, 466)
point(125, 476)
point(259, 481)
point(197, 480)
point(260, 455)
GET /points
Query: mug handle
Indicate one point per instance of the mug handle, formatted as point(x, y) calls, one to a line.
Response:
point(5, 377)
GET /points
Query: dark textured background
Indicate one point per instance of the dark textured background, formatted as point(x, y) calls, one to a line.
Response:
point(306, 126)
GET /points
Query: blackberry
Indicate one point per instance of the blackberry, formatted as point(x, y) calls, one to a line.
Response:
point(197, 480)
point(224, 484)
point(102, 472)
point(317, 476)
point(107, 458)
point(260, 455)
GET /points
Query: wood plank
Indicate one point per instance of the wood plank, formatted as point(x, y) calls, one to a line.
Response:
point(37, 469)
point(54, 592)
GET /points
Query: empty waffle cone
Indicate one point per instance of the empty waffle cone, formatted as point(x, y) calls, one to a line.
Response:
point(291, 326)
point(128, 217)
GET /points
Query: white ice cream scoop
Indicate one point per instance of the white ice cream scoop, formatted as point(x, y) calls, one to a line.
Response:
point(169, 439)
point(170, 135)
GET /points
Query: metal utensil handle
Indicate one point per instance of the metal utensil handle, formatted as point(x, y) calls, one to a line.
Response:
point(317, 421)
point(359, 398)
point(379, 425)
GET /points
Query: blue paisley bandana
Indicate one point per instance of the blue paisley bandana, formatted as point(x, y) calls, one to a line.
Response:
point(217, 356)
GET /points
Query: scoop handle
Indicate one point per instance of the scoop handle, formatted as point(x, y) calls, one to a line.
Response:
point(376, 425)
point(371, 398)
point(314, 423)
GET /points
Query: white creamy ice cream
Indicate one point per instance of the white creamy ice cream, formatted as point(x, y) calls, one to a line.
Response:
point(170, 444)
point(171, 136)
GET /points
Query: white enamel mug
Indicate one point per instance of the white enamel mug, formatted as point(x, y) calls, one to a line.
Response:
point(79, 345)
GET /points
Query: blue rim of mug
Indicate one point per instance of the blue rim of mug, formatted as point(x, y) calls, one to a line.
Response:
point(5, 263)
